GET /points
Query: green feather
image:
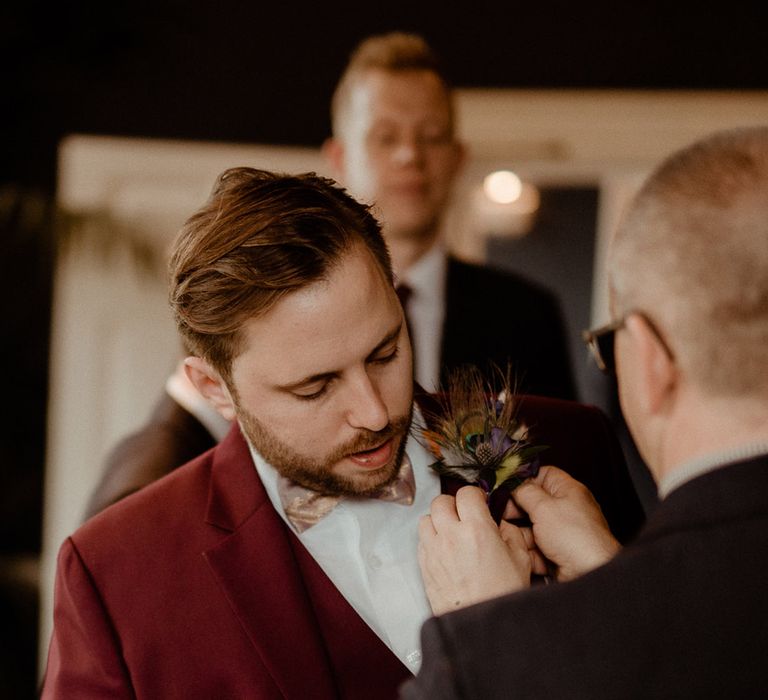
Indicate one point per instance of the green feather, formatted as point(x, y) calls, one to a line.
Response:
point(508, 467)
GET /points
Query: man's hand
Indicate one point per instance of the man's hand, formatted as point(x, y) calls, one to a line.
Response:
point(464, 557)
point(568, 526)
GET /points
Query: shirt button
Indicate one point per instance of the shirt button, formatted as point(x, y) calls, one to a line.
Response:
point(374, 562)
point(413, 658)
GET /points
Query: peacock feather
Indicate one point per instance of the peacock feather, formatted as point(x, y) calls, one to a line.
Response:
point(475, 436)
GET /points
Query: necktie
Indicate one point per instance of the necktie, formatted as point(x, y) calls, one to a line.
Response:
point(305, 508)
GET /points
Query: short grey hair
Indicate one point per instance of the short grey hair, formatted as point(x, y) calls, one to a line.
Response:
point(692, 254)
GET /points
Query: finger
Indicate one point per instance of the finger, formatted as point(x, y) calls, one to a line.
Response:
point(426, 528)
point(555, 481)
point(517, 545)
point(512, 511)
point(443, 511)
point(471, 504)
point(513, 536)
point(528, 537)
point(529, 495)
point(539, 564)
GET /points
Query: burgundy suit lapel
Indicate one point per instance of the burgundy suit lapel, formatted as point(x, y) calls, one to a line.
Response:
point(257, 571)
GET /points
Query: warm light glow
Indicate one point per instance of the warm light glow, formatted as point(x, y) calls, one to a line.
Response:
point(503, 187)
point(504, 205)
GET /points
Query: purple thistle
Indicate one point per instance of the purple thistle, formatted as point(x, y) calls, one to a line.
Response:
point(500, 441)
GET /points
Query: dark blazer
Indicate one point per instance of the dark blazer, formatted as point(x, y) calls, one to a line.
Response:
point(171, 437)
point(499, 317)
point(680, 613)
point(195, 588)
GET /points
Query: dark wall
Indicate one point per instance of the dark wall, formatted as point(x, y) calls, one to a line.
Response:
point(558, 253)
point(264, 72)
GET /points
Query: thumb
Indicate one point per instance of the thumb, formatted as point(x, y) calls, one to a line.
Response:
point(471, 504)
point(529, 496)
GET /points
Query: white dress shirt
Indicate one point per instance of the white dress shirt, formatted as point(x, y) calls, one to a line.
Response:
point(426, 313)
point(367, 547)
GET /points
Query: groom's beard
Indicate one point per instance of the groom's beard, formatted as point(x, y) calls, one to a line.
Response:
point(317, 473)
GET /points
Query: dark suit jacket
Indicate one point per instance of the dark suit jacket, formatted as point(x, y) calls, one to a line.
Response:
point(680, 613)
point(171, 437)
point(495, 316)
point(195, 588)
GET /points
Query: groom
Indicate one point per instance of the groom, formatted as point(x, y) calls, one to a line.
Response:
point(283, 562)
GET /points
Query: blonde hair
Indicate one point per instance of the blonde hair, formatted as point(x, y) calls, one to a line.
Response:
point(393, 52)
point(692, 253)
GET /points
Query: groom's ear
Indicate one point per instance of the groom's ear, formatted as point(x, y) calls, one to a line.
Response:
point(211, 385)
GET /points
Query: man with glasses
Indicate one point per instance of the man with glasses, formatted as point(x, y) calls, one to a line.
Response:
point(681, 611)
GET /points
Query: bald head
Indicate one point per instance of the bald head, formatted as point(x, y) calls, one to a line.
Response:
point(692, 254)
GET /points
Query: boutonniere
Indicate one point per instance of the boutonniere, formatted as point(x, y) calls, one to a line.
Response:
point(475, 436)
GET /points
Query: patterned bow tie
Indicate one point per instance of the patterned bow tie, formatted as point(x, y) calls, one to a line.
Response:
point(305, 508)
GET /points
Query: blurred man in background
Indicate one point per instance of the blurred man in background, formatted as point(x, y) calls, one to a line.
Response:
point(394, 145)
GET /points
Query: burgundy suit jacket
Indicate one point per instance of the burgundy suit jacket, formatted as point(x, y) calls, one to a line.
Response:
point(195, 588)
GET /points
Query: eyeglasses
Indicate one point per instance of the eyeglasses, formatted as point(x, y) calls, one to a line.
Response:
point(601, 342)
point(601, 345)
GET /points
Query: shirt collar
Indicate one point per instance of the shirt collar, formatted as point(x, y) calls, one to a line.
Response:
point(270, 477)
point(426, 277)
point(706, 463)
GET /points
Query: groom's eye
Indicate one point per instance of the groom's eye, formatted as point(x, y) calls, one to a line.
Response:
point(387, 356)
point(311, 392)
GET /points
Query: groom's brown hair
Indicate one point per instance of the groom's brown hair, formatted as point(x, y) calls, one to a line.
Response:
point(260, 236)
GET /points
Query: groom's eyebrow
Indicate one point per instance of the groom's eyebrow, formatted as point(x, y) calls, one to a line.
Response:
point(325, 376)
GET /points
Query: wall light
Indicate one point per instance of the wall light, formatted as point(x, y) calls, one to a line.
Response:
point(504, 204)
point(503, 187)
